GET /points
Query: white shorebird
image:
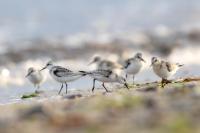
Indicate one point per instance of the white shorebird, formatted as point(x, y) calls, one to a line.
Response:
point(134, 65)
point(35, 77)
point(164, 69)
point(62, 75)
point(103, 64)
point(105, 76)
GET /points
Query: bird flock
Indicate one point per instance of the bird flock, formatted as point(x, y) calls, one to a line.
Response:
point(105, 72)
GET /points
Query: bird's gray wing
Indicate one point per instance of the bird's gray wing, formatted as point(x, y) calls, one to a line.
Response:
point(61, 72)
point(127, 63)
point(105, 73)
point(169, 66)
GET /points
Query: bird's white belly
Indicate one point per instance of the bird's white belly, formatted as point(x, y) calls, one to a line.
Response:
point(35, 78)
point(134, 68)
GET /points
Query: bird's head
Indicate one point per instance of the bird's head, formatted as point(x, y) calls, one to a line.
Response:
point(96, 59)
point(30, 71)
point(154, 61)
point(140, 57)
point(49, 65)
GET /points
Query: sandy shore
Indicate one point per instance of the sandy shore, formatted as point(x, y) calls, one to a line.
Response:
point(146, 109)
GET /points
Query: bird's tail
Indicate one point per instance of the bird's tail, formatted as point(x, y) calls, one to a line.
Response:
point(179, 65)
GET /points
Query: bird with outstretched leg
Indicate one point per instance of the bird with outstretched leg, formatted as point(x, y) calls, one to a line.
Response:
point(105, 76)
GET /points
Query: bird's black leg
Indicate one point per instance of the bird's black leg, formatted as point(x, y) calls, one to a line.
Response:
point(126, 76)
point(66, 87)
point(133, 79)
point(105, 87)
point(60, 89)
point(164, 82)
point(126, 85)
point(37, 89)
point(93, 85)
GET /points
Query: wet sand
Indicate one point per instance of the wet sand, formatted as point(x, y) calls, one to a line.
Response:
point(146, 108)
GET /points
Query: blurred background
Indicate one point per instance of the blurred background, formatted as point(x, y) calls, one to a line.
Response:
point(71, 32)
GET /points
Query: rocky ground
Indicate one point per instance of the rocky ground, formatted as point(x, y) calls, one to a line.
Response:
point(146, 108)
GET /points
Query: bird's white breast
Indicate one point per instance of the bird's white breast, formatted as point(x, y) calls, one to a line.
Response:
point(36, 78)
point(134, 67)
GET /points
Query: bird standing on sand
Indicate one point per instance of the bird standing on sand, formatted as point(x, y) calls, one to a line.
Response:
point(103, 64)
point(164, 69)
point(105, 76)
point(62, 75)
point(134, 65)
point(35, 77)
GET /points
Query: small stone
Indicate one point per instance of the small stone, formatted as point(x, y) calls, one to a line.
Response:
point(73, 96)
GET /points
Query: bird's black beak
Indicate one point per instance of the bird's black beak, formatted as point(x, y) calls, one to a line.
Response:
point(92, 62)
point(43, 68)
point(126, 85)
point(142, 59)
point(28, 74)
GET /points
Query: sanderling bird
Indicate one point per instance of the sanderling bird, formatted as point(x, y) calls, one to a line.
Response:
point(35, 77)
point(103, 64)
point(164, 69)
point(62, 75)
point(105, 76)
point(134, 65)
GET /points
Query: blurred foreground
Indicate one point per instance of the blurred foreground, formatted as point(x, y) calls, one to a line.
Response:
point(147, 109)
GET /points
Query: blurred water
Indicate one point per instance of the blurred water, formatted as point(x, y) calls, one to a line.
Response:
point(36, 18)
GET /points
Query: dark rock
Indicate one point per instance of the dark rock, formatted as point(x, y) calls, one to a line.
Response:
point(148, 89)
point(73, 96)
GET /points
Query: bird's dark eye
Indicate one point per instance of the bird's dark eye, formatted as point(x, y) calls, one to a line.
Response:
point(31, 72)
point(154, 59)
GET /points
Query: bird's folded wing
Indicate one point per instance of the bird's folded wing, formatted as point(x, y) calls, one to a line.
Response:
point(169, 66)
point(127, 63)
point(62, 72)
point(105, 73)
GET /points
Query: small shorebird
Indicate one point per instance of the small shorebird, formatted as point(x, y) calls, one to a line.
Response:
point(105, 76)
point(62, 75)
point(105, 64)
point(134, 65)
point(35, 77)
point(164, 69)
